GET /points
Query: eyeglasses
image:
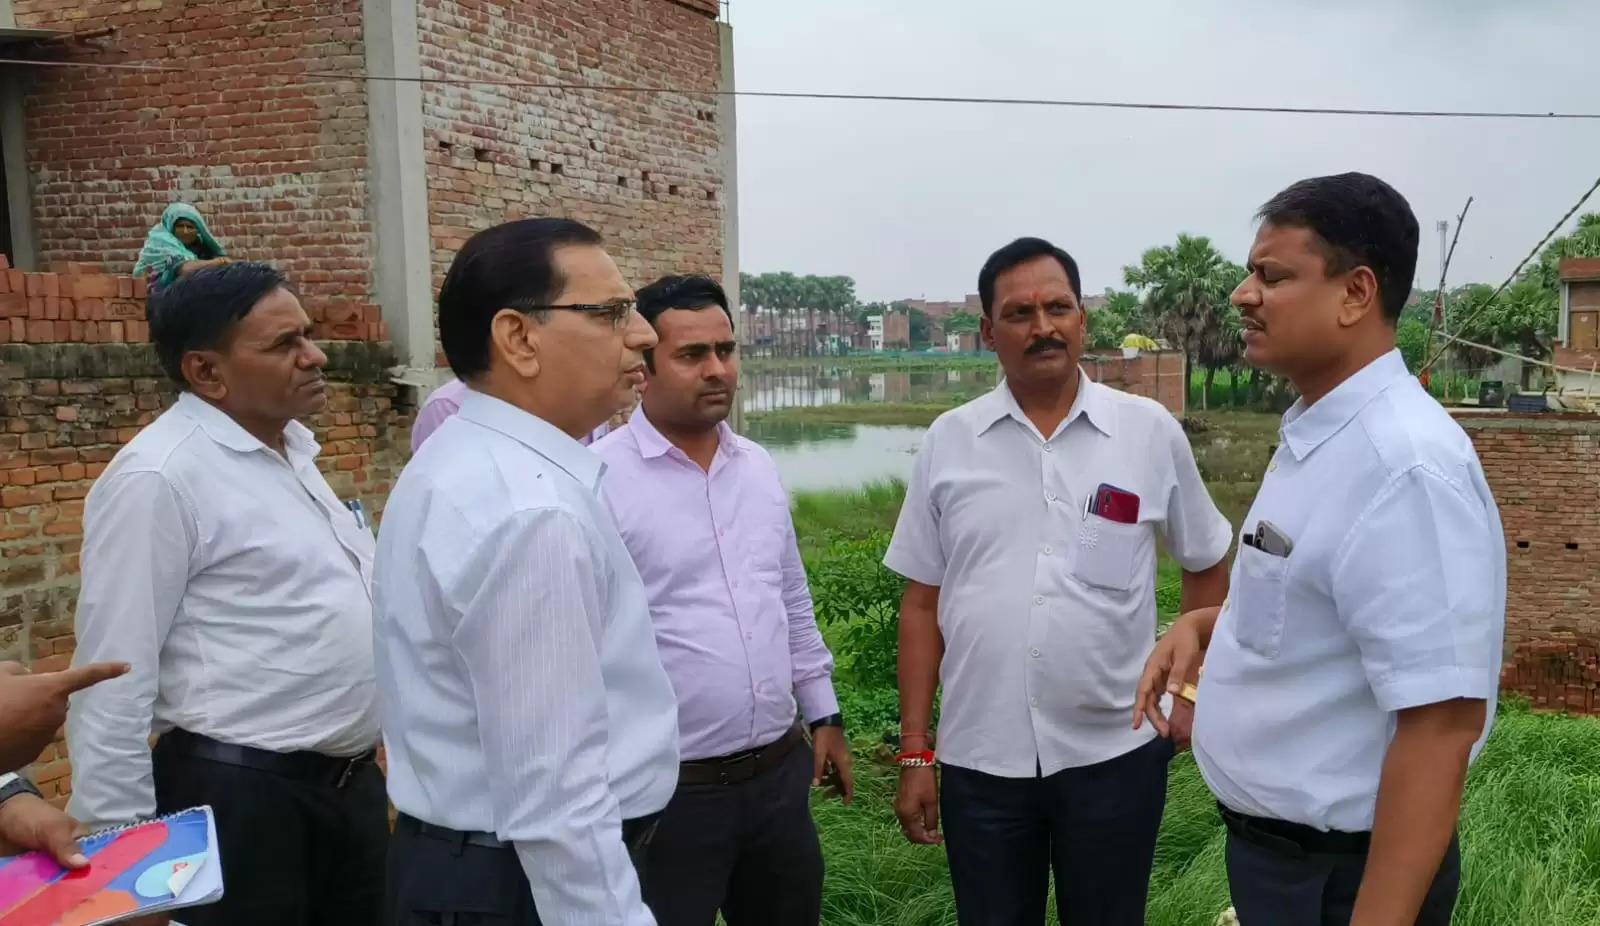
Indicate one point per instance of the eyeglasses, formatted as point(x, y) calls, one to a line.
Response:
point(617, 312)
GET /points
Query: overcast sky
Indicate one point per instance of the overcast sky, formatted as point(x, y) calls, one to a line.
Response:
point(909, 198)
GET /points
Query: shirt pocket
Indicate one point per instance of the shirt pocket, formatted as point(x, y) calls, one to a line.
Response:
point(764, 554)
point(1106, 553)
point(1260, 601)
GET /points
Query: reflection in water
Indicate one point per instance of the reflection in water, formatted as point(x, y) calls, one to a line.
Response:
point(800, 388)
point(837, 456)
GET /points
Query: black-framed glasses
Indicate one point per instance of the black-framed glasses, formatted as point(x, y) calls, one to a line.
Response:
point(617, 311)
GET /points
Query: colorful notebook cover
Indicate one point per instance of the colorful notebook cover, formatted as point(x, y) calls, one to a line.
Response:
point(151, 867)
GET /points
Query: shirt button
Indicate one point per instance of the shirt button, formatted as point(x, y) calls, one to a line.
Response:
point(1047, 549)
point(1038, 599)
point(1033, 702)
point(749, 636)
point(1050, 495)
point(1034, 652)
point(1048, 448)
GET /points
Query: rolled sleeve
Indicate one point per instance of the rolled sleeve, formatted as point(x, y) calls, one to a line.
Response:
point(1413, 582)
point(915, 551)
point(1195, 532)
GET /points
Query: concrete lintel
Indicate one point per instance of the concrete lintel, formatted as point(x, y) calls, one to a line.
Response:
point(398, 184)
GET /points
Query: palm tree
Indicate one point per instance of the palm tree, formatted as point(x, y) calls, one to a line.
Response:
point(1186, 288)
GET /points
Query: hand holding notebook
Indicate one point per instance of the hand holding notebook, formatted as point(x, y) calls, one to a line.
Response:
point(144, 868)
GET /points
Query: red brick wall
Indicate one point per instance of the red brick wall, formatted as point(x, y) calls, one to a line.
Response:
point(641, 168)
point(68, 402)
point(276, 165)
point(1545, 473)
point(1159, 375)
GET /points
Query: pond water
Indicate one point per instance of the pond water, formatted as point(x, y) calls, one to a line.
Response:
point(837, 456)
point(814, 455)
point(771, 390)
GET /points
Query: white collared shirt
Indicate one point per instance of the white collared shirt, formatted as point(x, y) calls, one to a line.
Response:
point(1048, 614)
point(1392, 596)
point(521, 689)
point(237, 586)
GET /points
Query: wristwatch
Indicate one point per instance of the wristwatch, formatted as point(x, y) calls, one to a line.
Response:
point(12, 784)
point(832, 720)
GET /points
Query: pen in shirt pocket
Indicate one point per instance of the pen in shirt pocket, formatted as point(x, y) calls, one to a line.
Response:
point(354, 505)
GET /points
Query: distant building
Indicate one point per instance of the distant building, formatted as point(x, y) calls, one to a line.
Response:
point(1578, 326)
point(889, 331)
point(961, 341)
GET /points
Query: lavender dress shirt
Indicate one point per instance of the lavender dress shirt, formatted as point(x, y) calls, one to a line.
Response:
point(728, 595)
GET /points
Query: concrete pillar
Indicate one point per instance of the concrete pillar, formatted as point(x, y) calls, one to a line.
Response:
point(14, 148)
point(398, 189)
point(728, 120)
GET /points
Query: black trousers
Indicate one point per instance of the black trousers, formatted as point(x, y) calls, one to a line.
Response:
point(434, 880)
point(1096, 826)
point(748, 849)
point(294, 852)
point(1274, 884)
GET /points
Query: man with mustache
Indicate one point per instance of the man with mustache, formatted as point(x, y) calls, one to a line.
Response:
point(531, 731)
point(1027, 539)
point(706, 520)
point(221, 567)
point(1351, 677)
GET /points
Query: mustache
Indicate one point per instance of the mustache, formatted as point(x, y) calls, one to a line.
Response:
point(1044, 344)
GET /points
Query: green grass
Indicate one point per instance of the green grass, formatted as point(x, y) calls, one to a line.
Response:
point(1530, 830)
point(1530, 836)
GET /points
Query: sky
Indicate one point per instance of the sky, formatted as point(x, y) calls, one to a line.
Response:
point(909, 198)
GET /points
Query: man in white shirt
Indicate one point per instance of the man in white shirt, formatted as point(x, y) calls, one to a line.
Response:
point(221, 566)
point(1028, 541)
point(1350, 679)
point(531, 730)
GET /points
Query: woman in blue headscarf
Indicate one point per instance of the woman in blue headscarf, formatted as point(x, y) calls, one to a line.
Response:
point(178, 244)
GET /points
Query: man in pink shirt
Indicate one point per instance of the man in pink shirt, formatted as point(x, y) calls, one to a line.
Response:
point(446, 401)
point(706, 520)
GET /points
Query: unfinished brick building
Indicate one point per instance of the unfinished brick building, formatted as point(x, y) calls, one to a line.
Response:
point(269, 116)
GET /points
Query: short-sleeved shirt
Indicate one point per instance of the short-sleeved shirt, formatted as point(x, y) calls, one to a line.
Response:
point(1392, 596)
point(1048, 613)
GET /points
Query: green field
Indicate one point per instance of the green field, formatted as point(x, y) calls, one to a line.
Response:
point(1530, 830)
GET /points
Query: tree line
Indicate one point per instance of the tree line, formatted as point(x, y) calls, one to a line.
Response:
point(1180, 292)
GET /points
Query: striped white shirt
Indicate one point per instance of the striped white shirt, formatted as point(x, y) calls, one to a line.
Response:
point(518, 677)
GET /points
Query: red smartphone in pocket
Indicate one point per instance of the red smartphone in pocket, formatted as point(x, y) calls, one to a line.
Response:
point(1117, 505)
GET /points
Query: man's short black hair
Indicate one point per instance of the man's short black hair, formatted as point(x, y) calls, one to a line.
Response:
point(508, 266)
point(198, 310)
point(1021, 251)
point(1360, 221)
point(689, 291)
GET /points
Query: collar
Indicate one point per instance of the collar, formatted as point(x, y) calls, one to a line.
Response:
point(652, 443)
point(535, 433)
point(1091, 403)
point(1305, 428)
point(221, 428)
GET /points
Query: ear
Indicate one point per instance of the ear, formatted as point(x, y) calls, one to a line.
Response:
point(515, 337)
point(1360, 297)
point(986, 332)
point(203, 371)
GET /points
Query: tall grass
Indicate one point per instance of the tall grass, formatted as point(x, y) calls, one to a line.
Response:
point(1530, 838)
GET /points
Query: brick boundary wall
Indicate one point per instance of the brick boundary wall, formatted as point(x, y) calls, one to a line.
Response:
point(73, 390)
point(1545, 474)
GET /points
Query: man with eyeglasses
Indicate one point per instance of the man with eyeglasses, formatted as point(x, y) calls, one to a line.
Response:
point(531, 730)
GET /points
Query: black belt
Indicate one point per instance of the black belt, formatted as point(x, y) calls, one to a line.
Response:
point(305, 766)
point(1293, 839)
point(740, 766)
point(636, 833)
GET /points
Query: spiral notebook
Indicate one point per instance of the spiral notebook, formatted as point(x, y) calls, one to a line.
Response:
point(154, 866)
